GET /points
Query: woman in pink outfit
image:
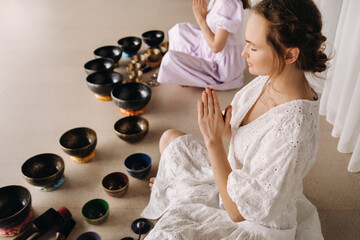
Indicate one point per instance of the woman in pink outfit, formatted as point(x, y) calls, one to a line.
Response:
point(208, 55)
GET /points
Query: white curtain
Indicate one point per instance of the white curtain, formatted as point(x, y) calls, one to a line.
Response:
point(340, 101)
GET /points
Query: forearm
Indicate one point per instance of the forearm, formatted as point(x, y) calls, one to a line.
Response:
point(208, 34)
point(216, 45)
point(222, 169)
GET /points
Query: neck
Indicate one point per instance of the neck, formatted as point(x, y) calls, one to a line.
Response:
point(289, 78)
point(291, 84)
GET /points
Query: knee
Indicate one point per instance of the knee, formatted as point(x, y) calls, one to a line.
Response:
point(167, 137)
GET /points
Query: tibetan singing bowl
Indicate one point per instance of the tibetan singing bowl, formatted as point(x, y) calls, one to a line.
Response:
point(95, 211)
point(115, 184)
point(99, 64)
point(135, 75)
point(131, 129)
point(133, 66)
point(153, 38)
point(140, 58)
point(131, 96)
point(43, 169)
point(112, 52)
point(164, 47)
point(130, 45)
point(101, 83)
point(15, 205)
point(138, 165)
point(79, 142)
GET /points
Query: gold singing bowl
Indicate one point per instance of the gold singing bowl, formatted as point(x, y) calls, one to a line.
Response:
point(154, 57)
point(135, 75)
point(141, 58)
point(164, 47)
point(133, 66)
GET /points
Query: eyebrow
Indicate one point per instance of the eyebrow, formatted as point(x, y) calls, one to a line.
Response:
point(250, 42)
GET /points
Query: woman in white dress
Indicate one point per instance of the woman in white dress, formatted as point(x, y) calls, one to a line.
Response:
point(254, 191)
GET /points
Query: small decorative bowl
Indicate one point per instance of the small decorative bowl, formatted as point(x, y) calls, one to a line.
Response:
point(131, 96)
point(133, 66)
point(115, 184)
point(140, 58)
point(43, 170)
point(99, 64)
point(164, 47)
point(15, 205)
point(79, 144)
point(130, 45)
point(154, 57)
point(153, 38)
point(112, 52)
point(135, 76)
point(101, 83)
point(95, 211)
point(132, 128)
point(89, 236)
point(138, 165)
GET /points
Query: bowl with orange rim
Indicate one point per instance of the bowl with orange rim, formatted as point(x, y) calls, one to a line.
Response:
point(79, 143)
point(132, 97)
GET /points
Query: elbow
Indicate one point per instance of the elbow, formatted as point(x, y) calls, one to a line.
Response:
point(216, 49)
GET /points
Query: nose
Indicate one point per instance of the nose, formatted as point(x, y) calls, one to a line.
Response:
point(245, 53)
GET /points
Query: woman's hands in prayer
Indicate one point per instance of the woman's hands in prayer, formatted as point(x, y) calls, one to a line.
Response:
point(211, 122)
point(200, 10)
point(213, 126)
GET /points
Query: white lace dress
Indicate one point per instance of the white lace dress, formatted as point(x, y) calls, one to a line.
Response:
point(269, 158)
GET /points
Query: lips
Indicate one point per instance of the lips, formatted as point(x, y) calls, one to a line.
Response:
point(250, 64)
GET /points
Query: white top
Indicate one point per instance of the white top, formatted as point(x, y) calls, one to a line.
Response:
point(269, 157)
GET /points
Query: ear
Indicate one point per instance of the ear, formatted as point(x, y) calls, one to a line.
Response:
point(291, 55)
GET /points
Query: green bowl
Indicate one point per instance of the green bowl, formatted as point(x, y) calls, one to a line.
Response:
point(95, 211)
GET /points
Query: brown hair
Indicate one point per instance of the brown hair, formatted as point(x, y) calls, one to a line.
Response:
point(295, 23)
point(246, 4)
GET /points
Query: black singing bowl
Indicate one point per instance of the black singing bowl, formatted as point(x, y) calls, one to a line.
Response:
point(112, 52)
point(130, 45)
point(15, 205)
point(153, 38)
point(79, 142)
point(131, 129)
point(43, 169)
point(103, 82)
point(131, 96)
point(99, 64)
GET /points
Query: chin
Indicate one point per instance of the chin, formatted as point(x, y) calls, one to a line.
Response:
point(253, 71)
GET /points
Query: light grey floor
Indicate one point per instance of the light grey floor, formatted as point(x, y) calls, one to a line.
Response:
point(43, 47)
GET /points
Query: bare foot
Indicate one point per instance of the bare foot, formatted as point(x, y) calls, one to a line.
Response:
point(151, 182)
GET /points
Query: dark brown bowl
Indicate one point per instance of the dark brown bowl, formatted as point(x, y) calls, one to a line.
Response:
point(103, 82)
point(131, 96)
point(43, 169)
point(112, 52)
point(153, 38)
point(115, 184)
point(79, 142)
point(131, 129)
point(130, 45)
point(99, 64)
point(15, 205)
